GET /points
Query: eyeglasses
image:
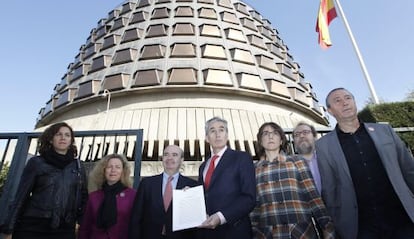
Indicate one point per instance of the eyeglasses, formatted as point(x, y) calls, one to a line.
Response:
point(303, 132)
point(269, 133)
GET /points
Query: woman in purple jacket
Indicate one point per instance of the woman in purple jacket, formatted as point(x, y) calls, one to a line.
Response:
point(110, 202)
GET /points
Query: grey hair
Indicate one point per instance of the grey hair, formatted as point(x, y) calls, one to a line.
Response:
point(216, 119)
point(332, 91)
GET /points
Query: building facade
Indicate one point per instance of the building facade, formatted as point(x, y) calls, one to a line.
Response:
point(167, 66)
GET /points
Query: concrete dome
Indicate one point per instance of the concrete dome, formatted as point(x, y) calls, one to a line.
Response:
point(167, 66)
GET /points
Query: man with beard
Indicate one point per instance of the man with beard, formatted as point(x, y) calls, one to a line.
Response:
point(304, 137)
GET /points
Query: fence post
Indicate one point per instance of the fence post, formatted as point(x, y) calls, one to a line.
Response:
point(138, 158)
point(16, 168)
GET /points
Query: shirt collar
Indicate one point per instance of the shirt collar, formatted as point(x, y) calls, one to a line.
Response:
point(360, 128)
point(219, 153)
point(166, 176)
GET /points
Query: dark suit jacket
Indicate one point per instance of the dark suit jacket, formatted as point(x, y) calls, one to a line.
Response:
point(338, 189)
point(232, 191)
point(148, 215)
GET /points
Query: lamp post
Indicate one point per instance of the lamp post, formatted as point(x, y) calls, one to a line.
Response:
point(107, 93)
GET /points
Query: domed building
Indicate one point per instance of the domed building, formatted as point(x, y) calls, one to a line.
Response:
point(167, 66)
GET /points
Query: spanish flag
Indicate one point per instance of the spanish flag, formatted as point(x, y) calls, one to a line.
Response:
point(326, 14)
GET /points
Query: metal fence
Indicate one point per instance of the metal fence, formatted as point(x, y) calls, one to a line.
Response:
point(92, 145)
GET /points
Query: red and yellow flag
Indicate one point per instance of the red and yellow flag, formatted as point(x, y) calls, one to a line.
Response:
point(326, 14)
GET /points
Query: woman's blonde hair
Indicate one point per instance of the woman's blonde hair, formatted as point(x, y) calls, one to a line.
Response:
point(97, 175)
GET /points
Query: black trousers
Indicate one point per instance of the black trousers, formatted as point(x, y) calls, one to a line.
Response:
point(384, 231)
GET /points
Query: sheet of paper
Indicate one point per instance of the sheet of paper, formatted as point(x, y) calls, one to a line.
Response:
point(188, 208)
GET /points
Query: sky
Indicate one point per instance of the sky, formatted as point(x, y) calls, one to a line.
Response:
point(40, 39)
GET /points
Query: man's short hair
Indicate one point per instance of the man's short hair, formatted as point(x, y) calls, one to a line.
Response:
point(332, 91)
point(314, 133)
point(216, 119)
point(179, 149)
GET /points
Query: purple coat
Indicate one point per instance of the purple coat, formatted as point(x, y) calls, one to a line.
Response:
point(88, 228)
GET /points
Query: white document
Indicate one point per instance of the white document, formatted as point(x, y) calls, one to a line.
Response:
point(188, 208)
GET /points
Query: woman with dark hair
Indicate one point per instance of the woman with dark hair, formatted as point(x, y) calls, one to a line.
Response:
point(52, 190)
point(287, 200)
point(110, 201)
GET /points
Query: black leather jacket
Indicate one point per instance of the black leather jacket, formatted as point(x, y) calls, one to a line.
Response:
point(49, 192)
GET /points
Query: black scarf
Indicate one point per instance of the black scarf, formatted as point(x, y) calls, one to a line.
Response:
point(107, 214)
point(58, 160)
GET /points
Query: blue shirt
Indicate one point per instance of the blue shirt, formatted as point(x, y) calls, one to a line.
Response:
point(165, 180)
point(313, 166)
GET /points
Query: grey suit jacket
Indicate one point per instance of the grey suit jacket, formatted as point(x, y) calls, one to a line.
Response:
point(337, 188)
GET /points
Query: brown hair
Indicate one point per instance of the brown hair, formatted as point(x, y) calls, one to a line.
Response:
point(279, 130)
point(47, 136)
point(312, 128)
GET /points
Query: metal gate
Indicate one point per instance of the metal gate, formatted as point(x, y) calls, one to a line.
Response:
point(17, 148)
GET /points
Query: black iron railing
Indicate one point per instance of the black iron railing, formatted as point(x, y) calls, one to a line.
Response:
point(16, 148)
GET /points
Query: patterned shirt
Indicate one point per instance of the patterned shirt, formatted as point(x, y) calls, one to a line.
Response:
point(286, 200)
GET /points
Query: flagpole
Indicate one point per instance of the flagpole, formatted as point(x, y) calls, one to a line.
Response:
point(361, 61)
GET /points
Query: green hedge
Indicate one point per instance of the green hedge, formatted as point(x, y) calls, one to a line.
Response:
point(398, 115)
point(3, 176)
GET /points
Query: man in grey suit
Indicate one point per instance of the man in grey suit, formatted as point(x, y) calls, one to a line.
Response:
point(367, 175)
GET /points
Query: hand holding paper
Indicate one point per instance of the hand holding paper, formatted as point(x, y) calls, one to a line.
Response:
point(189, 208)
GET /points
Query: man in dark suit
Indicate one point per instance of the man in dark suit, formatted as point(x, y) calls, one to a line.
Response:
point(367, 175)
point(229, 186)
point(151, 216)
